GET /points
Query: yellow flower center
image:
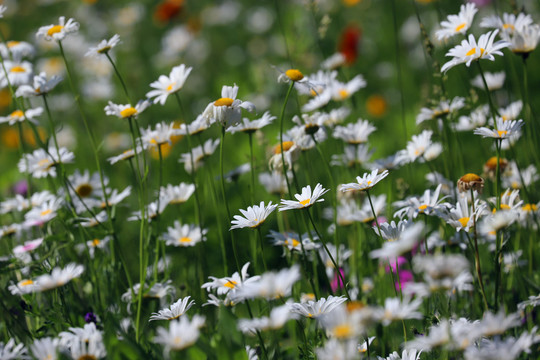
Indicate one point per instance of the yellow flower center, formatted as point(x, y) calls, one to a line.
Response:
point(45, 163)
point(502, 133)
point(54, 30)
point(45, 212)
point(304, 202)
point(257, 223)
point(508, 26)
point(294, 74)
point(129, 112)
point(170, 87)
point(343, 93)
point(464, 221)
point(470, 177)
point(84, 190)
point(505, 207)
point(18, 69)
point(293, 242)
point(17, 114)
point(11, 44)
point(223, 102)
point(104, 49)
point(184, 240)
point(96, 242)
point(230, 284)
point(471, 52)
point(460, 27)
point(530, 207)
point(422, 208)
point(342, 331)
point(286, 146)
point(26, 282)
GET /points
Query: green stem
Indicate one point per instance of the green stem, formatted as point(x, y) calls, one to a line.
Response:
point(282, 115)
point(477, 254)
point(119, 77)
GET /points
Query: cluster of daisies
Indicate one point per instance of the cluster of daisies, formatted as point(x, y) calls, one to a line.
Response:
point(433, 247)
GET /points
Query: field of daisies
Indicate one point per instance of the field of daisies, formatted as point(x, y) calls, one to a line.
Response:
point(305, 179)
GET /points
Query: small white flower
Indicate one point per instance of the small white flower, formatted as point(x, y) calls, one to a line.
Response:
point(41, 163)
point(60, 31)
point(227, 110)
point(184, 235)
point(254, 216)
point(504, 129)
point(104, 46)
point(40, 86)
point(248, 126)
point(166, 85)
point(20, 116)
point(126, 111)
point(457, 24)
point(305, 199)
point(366, 181)
point(176, 310)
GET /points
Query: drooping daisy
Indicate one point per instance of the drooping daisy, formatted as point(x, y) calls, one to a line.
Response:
point(227, 110)
point(104, 46)
point(41, 164)
point(503, 130)
point(167, 85)
point(184, 235)
point(177, 194)
point(198, 153)
point(494, 80)
point(197, 126)
point(354, 133)
point(291, 152)
point(366, 181)
point(523, 41)
point(181, 334)
point(20, 116)
point(58, 31)
point(254, 216)
point(126, 155)
point(250, 126)
point(40, 86)
point(176, 310)
point(470, 50)
point(314, 309)
point(304, 200)
point(457, 24)
point(277, 319)
point(126, 111)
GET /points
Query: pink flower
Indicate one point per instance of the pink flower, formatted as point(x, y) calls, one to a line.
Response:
point(334, 284)
point(405, 276)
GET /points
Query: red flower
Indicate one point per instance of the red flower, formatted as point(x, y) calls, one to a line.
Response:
point(348, 43)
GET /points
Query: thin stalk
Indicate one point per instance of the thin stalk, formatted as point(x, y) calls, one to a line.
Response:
point(119, 76)
point(340, 276)
point(225, 195)
point(252, 167)
point(261, 243)
point(476, 253)
point(282, 115)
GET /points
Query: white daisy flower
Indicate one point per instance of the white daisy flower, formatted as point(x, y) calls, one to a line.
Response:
point(304, 200)
point(270, 286)
point(273, 182)
point(366, 181)
point(250, 126)
point(83, 343)
point(162, 134)
point(20, 116)
point(478, 117)
point(254, 216)
point(17, 50)
point(9, 350)
point(396, 309)
point(166, 85)
point(199, 153)
point(503, 130)
point(277, 319)
point(41, 164)
point(104, 46)
point(227, 110)
point(461, 216)
point(18, 73)
point(524, 40)
point(335, 348)
point(359, 154)
point(457, 24)
point(314, 309)
point(126, 111)
point(177, 194)
point(92, 245)
point(427, 204)
point(442, 109)
point(58, 277)
point(291, 152)
point(494, 80)
point(334, 61)
point(508, 23)
point(181, 334)
point(40, 86)
point(470, 50)
point(230, 284)
point(45, 348)
point(58, 31)
point(184, 235)
point(293, 241)
point(196, 127)
point(176, 310)
point(411, 354)
point(354, 133)
point(406, 242)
